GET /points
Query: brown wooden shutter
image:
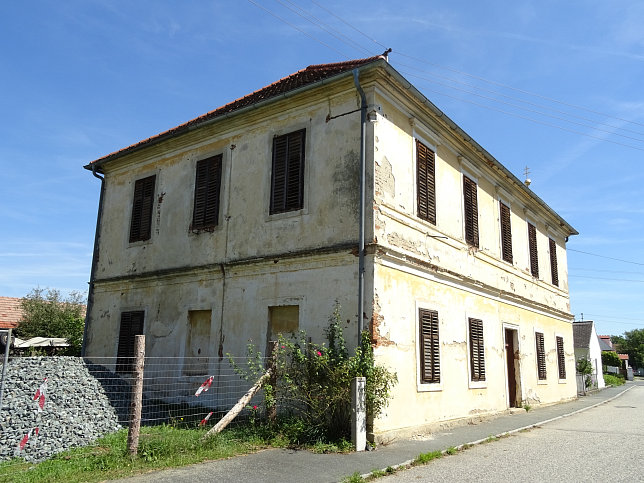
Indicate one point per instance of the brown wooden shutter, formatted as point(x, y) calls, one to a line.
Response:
point(553, 262)
point(471, 212)
point(131, 325)
point(429, 346)
point(141, 222)
point(287, 175)
point(207, 189)
point(541, 356)
point(534, 255)
point(425, 182)
point(477, 350)
point(506, 233)
point(561, 358)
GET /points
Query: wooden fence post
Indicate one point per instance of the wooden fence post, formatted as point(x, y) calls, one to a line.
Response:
point(271, 411)
point(136, 396)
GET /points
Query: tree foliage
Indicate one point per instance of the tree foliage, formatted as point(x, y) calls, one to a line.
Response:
point(46, 313)
point(632, 343)
point(610, 358)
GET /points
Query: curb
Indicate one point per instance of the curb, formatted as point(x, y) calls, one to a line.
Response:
point(507, 433)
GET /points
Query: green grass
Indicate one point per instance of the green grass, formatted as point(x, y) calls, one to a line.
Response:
point(425, 458)
point(160, 447)
point(613, 380)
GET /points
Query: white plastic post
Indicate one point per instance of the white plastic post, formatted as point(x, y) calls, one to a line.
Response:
point(358, 414)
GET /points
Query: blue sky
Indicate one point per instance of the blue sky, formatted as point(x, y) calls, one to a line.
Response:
point(555, 86)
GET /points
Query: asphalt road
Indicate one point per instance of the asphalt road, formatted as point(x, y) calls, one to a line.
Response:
point(605, 443)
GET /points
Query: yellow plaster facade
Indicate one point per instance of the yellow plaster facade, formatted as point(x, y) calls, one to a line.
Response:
point(305, 259)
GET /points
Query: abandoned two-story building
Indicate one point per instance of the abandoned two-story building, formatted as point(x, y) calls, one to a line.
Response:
point(243, 223)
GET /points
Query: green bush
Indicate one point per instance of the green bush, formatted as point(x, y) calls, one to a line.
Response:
point(613, 379)
point(610, 358)
point(314, 380)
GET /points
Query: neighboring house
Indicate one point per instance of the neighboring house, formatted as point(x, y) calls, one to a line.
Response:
point(10, 312)
point(605, 343)
point(586, 344)
point(243, 223)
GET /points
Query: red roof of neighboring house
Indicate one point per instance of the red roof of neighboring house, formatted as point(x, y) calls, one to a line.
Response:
point(301, 78)
point(623, 357)
point(10, 312)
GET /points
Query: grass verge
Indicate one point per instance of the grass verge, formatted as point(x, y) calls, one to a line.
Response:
point(160, 447)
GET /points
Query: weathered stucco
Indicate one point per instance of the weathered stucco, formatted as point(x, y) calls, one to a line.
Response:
point(306, 259)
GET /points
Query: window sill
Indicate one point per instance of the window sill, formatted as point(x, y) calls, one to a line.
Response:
point(478, 385)
point(286, 214)
point(429, 387)
point(542, 381)
point(563, 381)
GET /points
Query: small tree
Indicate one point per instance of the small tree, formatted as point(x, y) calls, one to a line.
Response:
point(46, 313)
point(585, 368)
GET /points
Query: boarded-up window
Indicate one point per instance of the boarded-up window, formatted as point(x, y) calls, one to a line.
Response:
point(541, 356)
point(471, 212)
point(131, 326)
point(429, 346)
point(553, 263)
point(287, 175)
point(506, 233)
point(141, 221)
point(205, 214)
point(284, 319)
point(534, 255)
point(477, 350)
point(197, 343)
point(561, 358)
point(425, 182)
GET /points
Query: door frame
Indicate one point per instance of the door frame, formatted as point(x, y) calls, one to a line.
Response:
point(517, 364)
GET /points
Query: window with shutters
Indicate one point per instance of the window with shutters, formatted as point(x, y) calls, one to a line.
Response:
point(425, 183)
point(205, 214)
point(141, 221)
point(554, 270)
point(287, 175)
point(131, 325)
point(506, 232)
point(471, 212)
point(477, 350)
point(561, 357)
point(429, 347)
point(541, 356)
point(534, 255)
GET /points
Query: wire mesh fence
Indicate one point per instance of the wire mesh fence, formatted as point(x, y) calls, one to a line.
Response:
point(52, 404)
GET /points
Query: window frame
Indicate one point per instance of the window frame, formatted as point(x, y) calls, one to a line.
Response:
point(423, 385)
point(554, 266)
point(533, 249)
point(207, 193)
point(142, 209)
point(470, 216)
point(561, 358)
point(540, 357)
point(126, 340)
point(429, 185)
point(284, 206)
point(476, 351)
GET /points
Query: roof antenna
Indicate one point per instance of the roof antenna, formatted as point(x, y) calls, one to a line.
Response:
point(527, 181)
point(386, 53)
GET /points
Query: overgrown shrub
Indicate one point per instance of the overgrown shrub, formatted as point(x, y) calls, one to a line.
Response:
point(613, 380)
point(610, 358)
point(313, 381)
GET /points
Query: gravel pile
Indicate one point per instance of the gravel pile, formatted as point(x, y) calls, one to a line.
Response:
point(77, 409)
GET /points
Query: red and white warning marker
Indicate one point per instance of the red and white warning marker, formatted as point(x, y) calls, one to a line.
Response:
point(40, 395)
point(205, 420)
point(25, 439)
point(205, 386)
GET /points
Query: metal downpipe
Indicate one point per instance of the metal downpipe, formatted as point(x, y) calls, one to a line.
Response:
point(363, 129)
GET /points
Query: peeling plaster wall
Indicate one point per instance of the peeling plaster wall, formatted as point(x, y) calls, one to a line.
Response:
point(413, 408)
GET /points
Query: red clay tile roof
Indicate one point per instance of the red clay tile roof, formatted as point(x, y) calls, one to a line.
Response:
point(623, 357)
point(10, 312)
point(301, 78)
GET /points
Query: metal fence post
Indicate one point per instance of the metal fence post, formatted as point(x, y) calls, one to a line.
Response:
point(4, 366)
point(136, 397)
point(358, 413)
